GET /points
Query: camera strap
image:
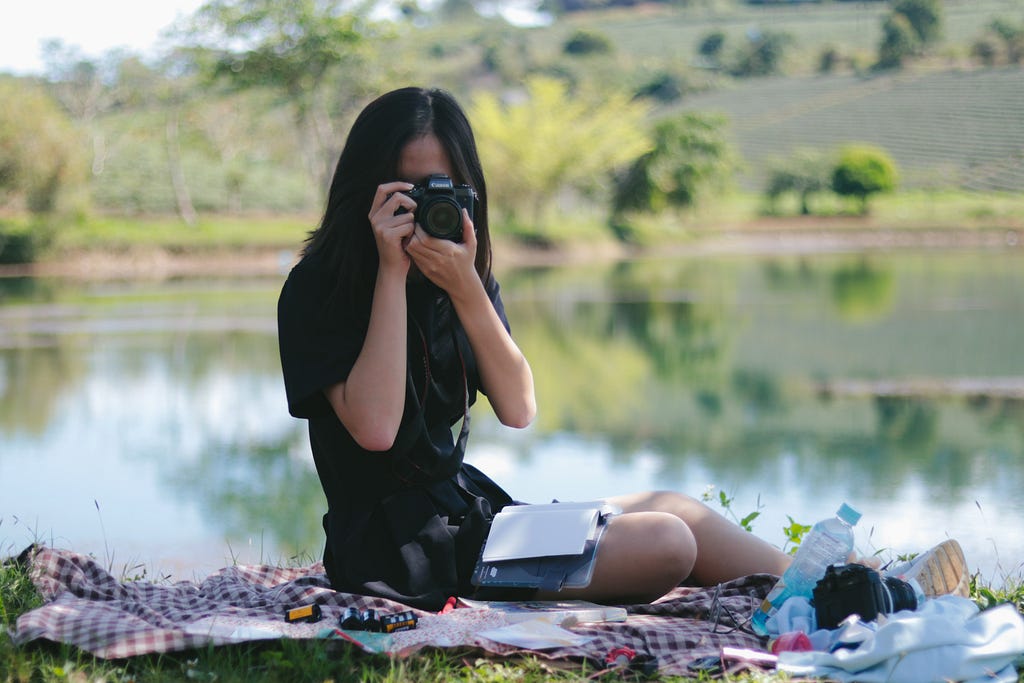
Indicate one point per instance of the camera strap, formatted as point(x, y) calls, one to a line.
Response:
point(415, 458)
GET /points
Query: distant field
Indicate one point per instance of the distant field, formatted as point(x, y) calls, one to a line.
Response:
point(951, 129)
point(946, 124)
point(850, 26)
point(948, 129)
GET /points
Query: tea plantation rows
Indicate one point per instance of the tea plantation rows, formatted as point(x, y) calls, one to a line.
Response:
point(950, 129)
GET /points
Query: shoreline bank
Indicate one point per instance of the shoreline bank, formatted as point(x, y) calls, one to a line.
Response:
point(163, 263)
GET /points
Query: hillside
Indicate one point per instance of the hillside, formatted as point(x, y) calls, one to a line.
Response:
point(946, 122)
point(157, 140)
point(949, 129)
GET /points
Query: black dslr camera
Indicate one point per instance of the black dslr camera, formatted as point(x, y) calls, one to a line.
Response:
point(855, 589)
point(439, 204)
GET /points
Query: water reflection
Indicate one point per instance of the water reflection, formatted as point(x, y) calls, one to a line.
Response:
point(895, 383)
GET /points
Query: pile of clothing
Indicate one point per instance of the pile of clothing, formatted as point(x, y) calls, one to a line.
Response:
point(942, 636)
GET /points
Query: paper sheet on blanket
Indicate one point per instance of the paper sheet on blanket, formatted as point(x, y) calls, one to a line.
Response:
point(535, 634)
point(234, 629)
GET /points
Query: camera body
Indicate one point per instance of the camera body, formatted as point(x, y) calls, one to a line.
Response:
point(439, 204)
point(855, 589)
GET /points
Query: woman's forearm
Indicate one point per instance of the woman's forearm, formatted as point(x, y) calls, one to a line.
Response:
point(504, 372)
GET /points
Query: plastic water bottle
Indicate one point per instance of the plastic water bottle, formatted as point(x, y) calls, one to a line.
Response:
point(829, 542)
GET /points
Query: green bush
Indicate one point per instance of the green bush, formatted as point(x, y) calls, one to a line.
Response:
point(804, 174)
point(41, 164)
point(711, 46)
point(588, 42)
point(664, 87)
point(864, 170)
point(762, 55)
point(899, 41)
point(925, 16)
point(19, 243)
point(691, 155)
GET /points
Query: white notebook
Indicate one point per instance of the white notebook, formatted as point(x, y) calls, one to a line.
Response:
point(523, 531)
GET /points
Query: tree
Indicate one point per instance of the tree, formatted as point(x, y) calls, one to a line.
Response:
point(907, 30)
point(690, 155)
point(40, 160)
point(899, 41)
point(762, 55)
point(588, 42)
point(804, 174)
point(711, 46)
point(829, 59)
point(86, 88)
point(41, 167)
point(1012, 37)
point(549, 140)
point(663, 86)
point(863, 170)
point(289, 47)
point(925, 16)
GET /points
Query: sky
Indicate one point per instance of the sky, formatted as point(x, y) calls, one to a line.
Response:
point(98, 26)
point(94, 27)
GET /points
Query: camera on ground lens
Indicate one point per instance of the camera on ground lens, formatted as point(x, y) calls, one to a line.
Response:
point(856, 589)
point(439, 205)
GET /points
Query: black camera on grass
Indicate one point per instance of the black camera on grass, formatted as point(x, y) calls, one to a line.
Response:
point(439, 205)
point(855, 589)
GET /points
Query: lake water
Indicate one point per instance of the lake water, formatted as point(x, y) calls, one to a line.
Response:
point(145, 422)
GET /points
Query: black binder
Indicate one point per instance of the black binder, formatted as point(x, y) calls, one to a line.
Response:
point(527, 533)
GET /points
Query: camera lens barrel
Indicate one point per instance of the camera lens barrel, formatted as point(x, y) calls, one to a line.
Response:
point(900, 594)
point(439, 205)
point(441, 216)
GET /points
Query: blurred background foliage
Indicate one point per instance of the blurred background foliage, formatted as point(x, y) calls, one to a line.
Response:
point(593, 115)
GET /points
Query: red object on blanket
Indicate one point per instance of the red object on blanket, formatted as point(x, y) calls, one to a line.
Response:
point(620, 656)
point(794, 641)
point(449, 605)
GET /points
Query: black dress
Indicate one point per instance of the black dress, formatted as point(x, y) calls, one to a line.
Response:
point(406, 524)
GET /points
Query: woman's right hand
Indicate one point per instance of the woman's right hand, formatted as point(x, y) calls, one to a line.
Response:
point(392, 231)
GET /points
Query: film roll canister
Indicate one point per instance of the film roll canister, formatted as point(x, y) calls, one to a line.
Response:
point(309, 613)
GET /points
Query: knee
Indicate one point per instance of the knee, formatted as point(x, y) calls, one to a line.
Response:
point(673, 548)
point(679, 504)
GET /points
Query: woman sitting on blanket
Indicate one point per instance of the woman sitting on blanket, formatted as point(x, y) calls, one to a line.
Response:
point(388, 332)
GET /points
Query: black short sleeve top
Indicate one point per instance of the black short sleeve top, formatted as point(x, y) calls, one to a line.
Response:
point(321, 336)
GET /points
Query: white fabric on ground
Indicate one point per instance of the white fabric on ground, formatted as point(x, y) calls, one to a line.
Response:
point(946, 639)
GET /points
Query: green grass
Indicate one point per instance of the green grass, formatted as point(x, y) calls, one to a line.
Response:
point(908, 210)
point(170, 232)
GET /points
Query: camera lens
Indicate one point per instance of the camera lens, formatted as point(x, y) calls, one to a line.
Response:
point(900, 595)
point(442, 217)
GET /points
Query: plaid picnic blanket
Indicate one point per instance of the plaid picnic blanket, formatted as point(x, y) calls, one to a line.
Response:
point(89, 608)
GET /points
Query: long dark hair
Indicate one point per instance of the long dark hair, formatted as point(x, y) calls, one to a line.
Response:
point(344, 239)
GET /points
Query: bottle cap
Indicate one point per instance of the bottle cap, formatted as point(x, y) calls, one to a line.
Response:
point(848, 514)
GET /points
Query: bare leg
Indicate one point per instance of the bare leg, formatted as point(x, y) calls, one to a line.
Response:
point(664, 537)
point(641, 556)
point(725, 550)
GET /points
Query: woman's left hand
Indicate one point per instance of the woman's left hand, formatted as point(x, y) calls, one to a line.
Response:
point(449, 265)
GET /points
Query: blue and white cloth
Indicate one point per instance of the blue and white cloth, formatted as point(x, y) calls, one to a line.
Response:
point(946, 639)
